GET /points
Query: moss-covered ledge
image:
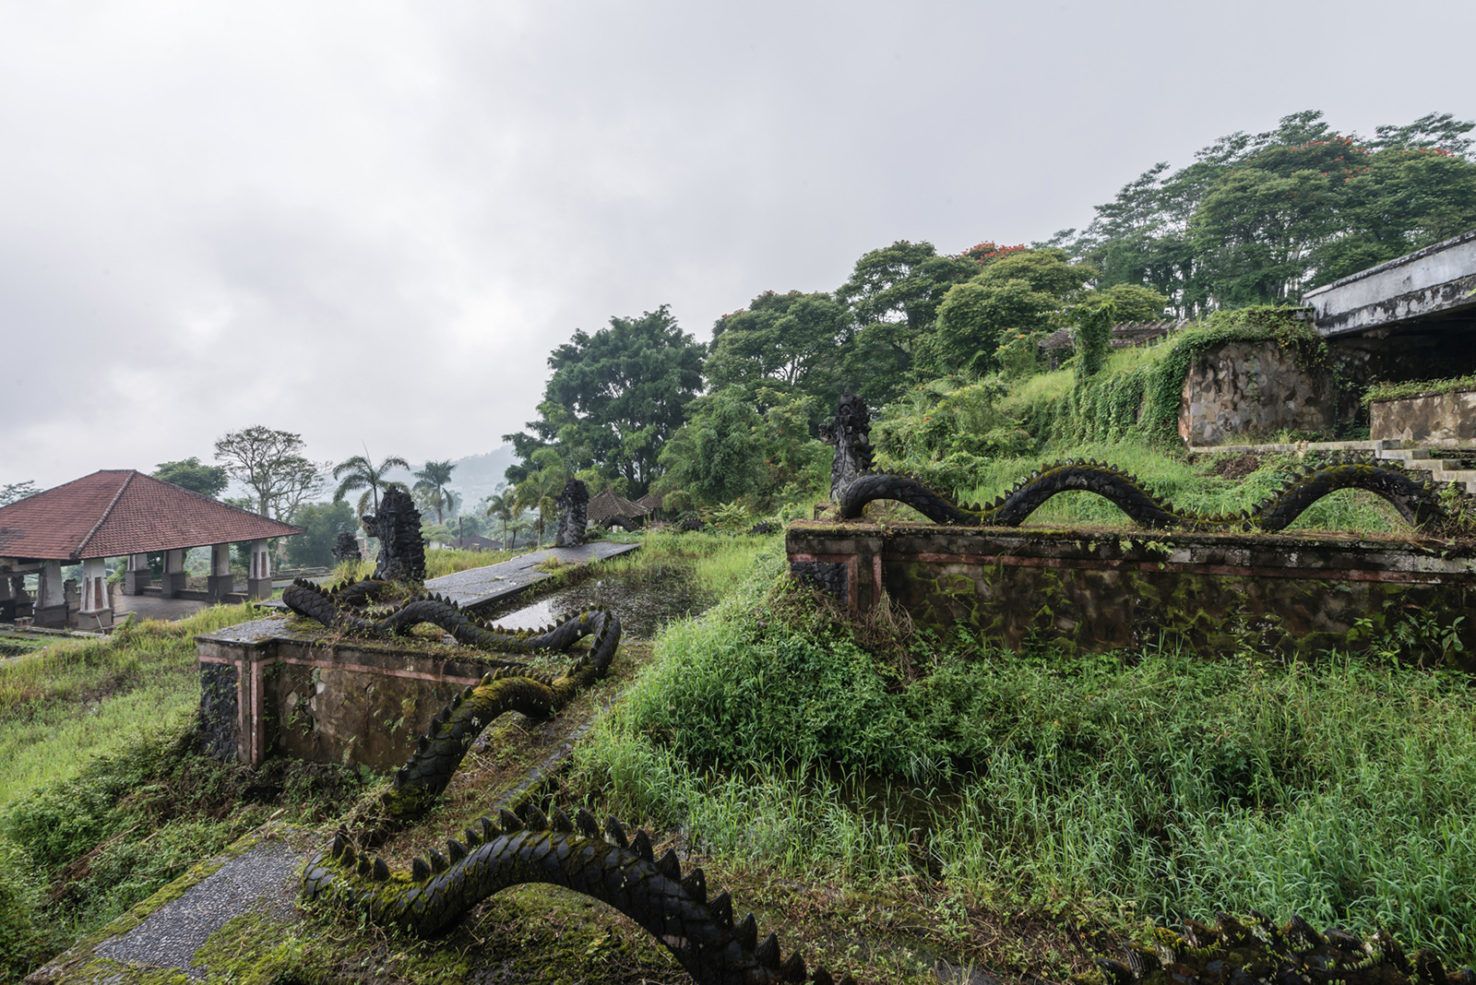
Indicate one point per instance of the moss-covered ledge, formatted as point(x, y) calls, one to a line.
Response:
point(282, 685)
point(1099, 589)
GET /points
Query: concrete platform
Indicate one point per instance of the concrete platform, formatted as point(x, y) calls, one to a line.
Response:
point(478, 587)
point(487, 586)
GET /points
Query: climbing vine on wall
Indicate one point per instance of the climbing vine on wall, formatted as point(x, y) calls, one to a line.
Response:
point(1144, 400)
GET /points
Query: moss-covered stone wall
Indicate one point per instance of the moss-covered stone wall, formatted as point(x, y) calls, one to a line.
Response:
point(1100, 590)
point(323, 698)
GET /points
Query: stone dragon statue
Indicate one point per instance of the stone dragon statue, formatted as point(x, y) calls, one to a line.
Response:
point(1255, 949)
point(441, 888)
point(1417, 502)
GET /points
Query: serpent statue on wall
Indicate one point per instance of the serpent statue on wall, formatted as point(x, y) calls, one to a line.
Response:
point(1416, 502)
point(441, 889)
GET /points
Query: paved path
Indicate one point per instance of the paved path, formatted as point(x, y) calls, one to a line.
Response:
point(262, 879)
point(486, 586)
point(477, 587)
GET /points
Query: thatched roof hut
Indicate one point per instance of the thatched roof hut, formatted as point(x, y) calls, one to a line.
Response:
point(609, 509)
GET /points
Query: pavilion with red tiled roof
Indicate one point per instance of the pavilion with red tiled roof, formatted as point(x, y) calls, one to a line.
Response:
point(122, 513)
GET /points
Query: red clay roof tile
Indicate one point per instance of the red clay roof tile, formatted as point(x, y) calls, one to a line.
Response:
point(119, 511)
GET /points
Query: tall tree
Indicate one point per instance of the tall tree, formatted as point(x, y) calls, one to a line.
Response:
point(501, 506)
point(614, 398)
point(433, 479)
point(190, 473)
point(893, 294)
point(271, 464)
point(360, 472)
point(321, 524)
point(1262, 217)
point(782, 342)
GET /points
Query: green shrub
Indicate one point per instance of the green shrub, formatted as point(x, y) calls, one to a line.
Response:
point(1418, 388)
point(22, 940)
point(1147, 783)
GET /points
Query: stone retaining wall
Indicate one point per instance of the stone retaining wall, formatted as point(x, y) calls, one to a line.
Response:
point(1102, 590)
point(266, 690)
point(1253, 389)
point(1431, 417)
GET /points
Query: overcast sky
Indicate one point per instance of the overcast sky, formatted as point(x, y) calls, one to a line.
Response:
point(369, 222)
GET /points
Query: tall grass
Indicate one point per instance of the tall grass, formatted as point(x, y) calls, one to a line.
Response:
point(64, 704)
point(1154, 782)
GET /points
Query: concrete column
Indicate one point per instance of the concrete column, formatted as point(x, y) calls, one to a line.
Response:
point(136, 574)
point(259, 584)
point(172, 582)
point(222, 583)
point(97, 606)
point(51, 597)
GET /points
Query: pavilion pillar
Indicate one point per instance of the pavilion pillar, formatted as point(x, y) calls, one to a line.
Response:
point(51, 598)
point(172, 582)
point(97, 606)
point(222, 582)
point(136, 575)
point(259, 583)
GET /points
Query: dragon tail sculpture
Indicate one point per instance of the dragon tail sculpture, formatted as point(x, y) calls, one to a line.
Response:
point(1257, 950)
point(573, 853)
point(1416, 502)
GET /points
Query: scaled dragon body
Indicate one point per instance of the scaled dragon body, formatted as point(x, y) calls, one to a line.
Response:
point(1255, 949)
point(575, 854)
point(513, 686)
point(1416, 502)
point(442, 888)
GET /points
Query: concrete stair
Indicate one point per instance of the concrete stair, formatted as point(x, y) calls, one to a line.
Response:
point(1443, 461)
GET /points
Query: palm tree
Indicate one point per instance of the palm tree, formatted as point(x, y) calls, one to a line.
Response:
point(360, 472)
point(432, 480)
point(501, 506)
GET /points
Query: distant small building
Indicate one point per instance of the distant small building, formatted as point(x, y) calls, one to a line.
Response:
point(1058, 345)
point(122, 513)
point(609, 509)
point(651, 503)
point(475, 542)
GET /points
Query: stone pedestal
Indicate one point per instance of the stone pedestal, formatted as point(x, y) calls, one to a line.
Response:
point(96, 610)
point(259, 588)
point(221, 582)
point(50, 616)
point(136, 575)
point(221, 586)
point(51, 598)
point(172, 581)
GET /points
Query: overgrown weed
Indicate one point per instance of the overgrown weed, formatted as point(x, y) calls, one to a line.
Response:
point(1147, 785)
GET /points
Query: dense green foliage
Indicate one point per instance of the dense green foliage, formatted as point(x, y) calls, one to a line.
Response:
point(1150, 783)
point(1418, 388)
point(1254, 221)
point(102, 799)
point(614, 398)
point(190, 473)
point(948, 429)
point(321, 524)
point(1258, 218)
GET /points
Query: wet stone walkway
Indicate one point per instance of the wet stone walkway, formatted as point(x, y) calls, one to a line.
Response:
point(486, 587)
point(262, 879)
point(481, 587)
